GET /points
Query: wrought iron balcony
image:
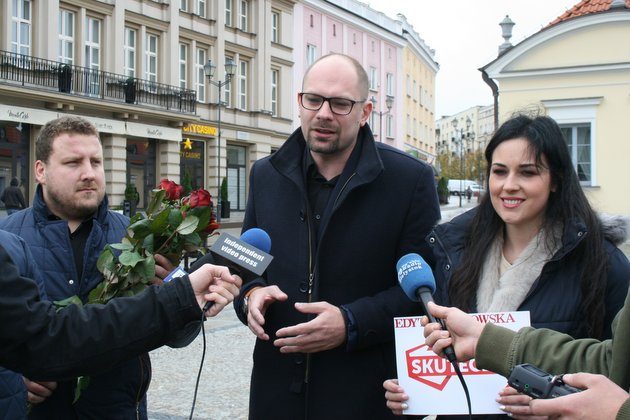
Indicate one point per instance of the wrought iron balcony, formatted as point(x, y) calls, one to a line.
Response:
point(39, 73)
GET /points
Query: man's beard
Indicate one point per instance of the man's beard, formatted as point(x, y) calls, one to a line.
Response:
point(73, 210)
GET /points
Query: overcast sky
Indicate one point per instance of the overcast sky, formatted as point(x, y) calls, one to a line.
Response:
point(465, 35)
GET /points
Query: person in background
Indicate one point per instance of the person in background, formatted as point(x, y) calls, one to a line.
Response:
point(533, 244)
point(66, 229)
point(340, 209)
point(13, 198)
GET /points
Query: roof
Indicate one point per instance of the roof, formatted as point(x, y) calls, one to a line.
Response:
point(585, 7)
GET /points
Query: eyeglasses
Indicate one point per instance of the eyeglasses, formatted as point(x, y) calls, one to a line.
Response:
point(339, 106)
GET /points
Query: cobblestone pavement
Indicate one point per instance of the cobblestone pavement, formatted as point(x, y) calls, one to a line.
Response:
point(224, 384)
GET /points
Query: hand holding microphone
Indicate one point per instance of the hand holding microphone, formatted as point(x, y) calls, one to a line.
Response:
point(417, 281)
point(462, 334)
point(214, 284)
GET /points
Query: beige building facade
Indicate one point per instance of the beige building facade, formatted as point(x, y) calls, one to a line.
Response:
point(577, 70)
point(136, 69)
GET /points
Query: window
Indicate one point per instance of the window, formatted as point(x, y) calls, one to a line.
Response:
point(420, 94)
point(242, 16)
point(151, 58)
point(334, 30)
point(414, 92)
point(201, 8)
point(415, 128)
point(228, 13)
point(200, 75)
point(183, 5)
point(275, 27)
point(578, 122)
point(236, 162)
point(578, 138)
point(372, 123)
point(274, 92)
point(66, 36)
point(183, 57)
point(389, 122)
point(408, 86)
point(242, 85)
point(227, 89)
point(373, 79)
point(21, 27)
point(311, 54)
point(93, 53)
point(129, 49)
point(390, 84)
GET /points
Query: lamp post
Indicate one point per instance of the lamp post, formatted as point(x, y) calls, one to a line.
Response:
point(468, 136)
point(209, 69)
point(459, 142)
point(389, 102)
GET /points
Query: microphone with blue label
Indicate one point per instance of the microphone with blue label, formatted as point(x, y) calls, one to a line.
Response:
point(417, 281)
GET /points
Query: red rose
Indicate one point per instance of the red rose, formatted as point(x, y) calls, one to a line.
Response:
point(198, 198)
point(212, 226)
point(173, 191)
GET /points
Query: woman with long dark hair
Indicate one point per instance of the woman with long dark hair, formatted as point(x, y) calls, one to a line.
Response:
point(533, 244)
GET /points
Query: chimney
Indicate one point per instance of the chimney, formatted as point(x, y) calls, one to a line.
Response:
point(615, 4)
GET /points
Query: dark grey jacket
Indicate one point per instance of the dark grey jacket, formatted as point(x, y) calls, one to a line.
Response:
point(382, 207)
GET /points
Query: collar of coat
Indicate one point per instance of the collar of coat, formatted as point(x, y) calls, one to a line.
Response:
point(288, 159)
point(41, 211)
point(453, 234)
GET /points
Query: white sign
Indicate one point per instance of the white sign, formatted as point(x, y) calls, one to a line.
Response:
point(153, 131)
point(431, 382)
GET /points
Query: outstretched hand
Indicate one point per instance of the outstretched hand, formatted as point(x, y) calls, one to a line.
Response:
point(463, 332)
point(214, 283)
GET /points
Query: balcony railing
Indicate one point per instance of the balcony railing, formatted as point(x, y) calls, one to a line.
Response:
point(36, 72)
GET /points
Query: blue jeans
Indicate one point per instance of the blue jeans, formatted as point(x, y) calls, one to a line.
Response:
point(11, 211)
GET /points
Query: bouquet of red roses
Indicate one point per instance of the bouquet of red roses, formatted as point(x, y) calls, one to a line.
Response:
point(171, 226)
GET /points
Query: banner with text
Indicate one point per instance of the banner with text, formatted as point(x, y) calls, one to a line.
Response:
point(431, 382)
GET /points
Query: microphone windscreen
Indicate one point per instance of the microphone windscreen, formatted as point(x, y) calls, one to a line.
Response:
point(414, 273)
point(257, 238)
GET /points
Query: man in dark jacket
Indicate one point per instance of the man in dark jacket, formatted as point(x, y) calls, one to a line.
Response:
point(67, 227)
point(43, 343)
point(13, 198)
point(340, 210)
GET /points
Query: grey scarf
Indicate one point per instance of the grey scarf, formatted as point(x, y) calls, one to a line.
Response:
point(506, 293)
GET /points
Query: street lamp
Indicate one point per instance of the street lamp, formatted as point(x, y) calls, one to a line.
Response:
point(389, 102)
point(209, 69)
point(459, 142)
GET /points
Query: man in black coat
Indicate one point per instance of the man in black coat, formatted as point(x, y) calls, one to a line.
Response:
point(340, 210)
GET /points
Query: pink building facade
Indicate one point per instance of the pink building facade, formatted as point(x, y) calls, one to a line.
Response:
point(352, 28)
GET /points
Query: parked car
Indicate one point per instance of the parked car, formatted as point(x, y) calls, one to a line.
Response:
point(459, 186)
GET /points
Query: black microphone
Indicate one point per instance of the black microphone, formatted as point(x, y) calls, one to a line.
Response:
point(247, 257)
point(417, 281)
